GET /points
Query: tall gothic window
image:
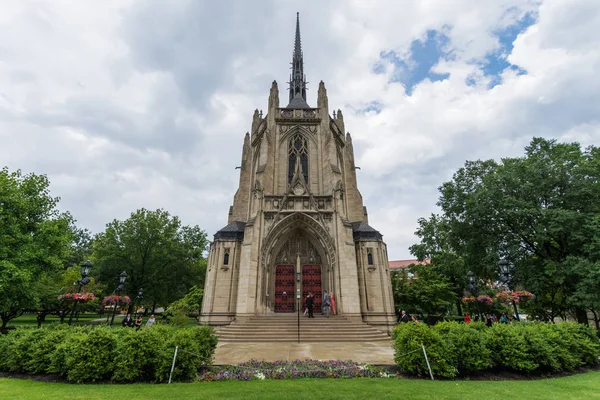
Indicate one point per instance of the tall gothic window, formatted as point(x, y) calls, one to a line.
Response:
point(369, 256)
point(226, 256)
point(298, 149)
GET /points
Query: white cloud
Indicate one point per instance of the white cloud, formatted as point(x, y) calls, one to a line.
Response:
point(130, 104)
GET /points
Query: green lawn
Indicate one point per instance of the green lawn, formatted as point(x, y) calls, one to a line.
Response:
point(84, 319)
point(30, 319)
point(583, 386)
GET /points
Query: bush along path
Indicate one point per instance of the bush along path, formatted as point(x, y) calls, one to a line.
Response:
point(459, 350)
point(97, 354)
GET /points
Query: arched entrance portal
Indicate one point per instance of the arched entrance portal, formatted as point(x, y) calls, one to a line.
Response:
point(298, 268)
point(301, 242)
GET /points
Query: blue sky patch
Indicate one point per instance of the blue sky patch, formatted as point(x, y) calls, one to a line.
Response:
point(496, 62)
point(373, 106)
point(416, 67)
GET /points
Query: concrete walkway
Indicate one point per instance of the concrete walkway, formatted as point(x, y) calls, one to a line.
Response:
point(379, 353)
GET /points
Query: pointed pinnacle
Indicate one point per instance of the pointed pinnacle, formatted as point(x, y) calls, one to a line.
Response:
point(297, 43)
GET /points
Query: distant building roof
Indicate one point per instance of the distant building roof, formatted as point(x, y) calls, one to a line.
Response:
point(401, 264)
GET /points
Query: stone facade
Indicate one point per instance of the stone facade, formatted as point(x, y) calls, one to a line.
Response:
point(298, 222)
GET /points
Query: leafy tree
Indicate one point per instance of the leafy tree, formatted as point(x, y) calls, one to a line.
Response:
point(428, 292)
point(179, 310)
point(157, 252)
point(35, 239)
point(52, 285)
point(540, 212)
point(444, 256)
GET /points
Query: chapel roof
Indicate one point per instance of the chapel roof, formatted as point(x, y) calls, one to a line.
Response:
point(234, 230)
point(362, 230)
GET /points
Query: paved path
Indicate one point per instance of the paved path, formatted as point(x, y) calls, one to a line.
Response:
point(380, 353)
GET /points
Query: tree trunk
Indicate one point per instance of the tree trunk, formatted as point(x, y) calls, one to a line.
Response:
point(41, 318)
point(581, 315)
point(596, 321)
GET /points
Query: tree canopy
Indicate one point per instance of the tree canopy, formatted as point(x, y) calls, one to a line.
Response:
point(540, 212)
point(35, 239)
point(157, 252)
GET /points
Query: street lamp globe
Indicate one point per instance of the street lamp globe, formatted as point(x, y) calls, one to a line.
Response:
point(504, 267)
point(86, 268)
point(471, 277)
point(122, 277)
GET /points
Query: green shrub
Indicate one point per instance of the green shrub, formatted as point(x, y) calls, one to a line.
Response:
point(460, 349)
point(582, 342)
point(509, 348)
point(196, 348)
point(138, 354)
point(468, 345)
point(92, 356)
point(550, 348)
point(408, 354)
point(60, 356)
point(42, 349)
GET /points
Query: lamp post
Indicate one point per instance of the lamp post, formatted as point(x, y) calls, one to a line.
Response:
point(298, 301)
point(139, 297)
point(474, 289)
point(86, 268)
point(122, 279)
point(506, 275)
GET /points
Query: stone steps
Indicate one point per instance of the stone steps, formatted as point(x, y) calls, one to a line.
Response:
point(285, 329)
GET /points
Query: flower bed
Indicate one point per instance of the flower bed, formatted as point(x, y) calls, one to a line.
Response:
point(297, 369)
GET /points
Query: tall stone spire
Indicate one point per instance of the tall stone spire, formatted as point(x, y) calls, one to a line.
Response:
point(297, 78)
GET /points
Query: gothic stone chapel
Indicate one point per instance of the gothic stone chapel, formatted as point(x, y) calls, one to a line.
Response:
point(297, 223)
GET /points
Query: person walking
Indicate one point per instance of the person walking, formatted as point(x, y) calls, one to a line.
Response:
point(414, 319)
point(310, 301)
point(467, 319)
point(333, 304)
point(326, 303)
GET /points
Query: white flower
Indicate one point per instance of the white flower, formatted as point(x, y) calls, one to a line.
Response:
point(260, 375)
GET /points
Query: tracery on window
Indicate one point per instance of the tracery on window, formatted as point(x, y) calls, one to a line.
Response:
point(298, 150)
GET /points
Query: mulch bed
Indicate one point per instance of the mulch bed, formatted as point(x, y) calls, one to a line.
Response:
point(483, 376)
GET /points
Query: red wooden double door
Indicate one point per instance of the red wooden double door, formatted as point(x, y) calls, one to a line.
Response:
point(285, 287)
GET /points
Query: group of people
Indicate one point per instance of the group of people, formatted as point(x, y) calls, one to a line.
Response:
point(490, 319)
point(137, 324)
point(327, 306)
point(403, 318)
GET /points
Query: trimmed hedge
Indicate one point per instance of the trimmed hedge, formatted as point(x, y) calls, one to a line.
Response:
point(456, 350)
point(92, 354)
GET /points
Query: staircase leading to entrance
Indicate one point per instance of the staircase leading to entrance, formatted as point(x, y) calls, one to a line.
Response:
point(285, 329)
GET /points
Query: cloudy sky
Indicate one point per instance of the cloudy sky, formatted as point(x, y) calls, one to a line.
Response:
point(127, 104)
